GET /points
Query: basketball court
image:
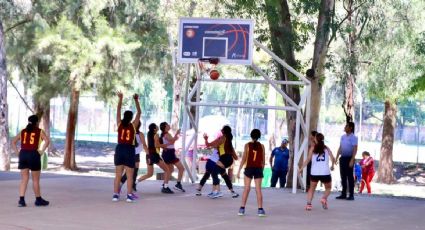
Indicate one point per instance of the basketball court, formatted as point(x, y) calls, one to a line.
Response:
point(79, 202)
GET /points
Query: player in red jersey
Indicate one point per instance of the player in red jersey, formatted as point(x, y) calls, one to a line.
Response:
point(254, 159)
point(125, 158)
point(29, 159)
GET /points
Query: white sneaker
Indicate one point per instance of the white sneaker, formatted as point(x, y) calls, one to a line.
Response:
point(115, 197)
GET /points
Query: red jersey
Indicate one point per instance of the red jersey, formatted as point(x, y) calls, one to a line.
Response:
point(126, 135)
point(369, 165)
point(255, 158)
point(30, 140)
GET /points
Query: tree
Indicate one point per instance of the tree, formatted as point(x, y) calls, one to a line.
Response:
point(391, 71)
point(4, 128)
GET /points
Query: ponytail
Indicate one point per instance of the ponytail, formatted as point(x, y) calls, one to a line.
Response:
point(32, 122)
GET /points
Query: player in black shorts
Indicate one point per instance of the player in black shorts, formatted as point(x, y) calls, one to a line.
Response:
point(125, 157)
point(254, 159)
point(29, 159)
point(140, 145)
point(169, 153)
point(153, 157)
point(319, 157)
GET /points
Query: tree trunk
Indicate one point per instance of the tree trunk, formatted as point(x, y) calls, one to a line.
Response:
point(319, 58)
point(385, 170)
point(351, 63)
point(69, 156)
point(4, 126)
point(282, 39)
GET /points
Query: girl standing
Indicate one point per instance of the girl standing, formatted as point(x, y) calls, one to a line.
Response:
point(254, 159)
point(368, 171)
point(29, 159)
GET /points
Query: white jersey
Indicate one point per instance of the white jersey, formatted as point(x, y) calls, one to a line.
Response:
point(139, 147)
point(215, 156)
point(320, 164)
point(165, 141)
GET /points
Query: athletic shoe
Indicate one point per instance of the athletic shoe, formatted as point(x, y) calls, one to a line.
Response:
point(41, 202)
point(179, 187)
point(261, 212)
point(130, 198)
point(166, 190)
point(217, 195)
point(308, 207)
point(341, 197)
point(241, 211)
point(198, 192)
point(210, 195)
point(134, 195)
point(350, 198)
point(235, 195)
point(115, 197)
point(324, 203)
point(21, 203)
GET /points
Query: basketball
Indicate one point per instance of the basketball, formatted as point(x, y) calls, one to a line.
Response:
point(214, 74)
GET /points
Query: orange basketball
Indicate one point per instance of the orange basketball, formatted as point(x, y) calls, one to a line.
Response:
point(214, 74)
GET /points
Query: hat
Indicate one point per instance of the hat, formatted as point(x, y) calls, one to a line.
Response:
point(285, 141)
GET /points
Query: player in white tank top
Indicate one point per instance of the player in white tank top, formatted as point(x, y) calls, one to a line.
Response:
point(320, 170)
point(320, 164)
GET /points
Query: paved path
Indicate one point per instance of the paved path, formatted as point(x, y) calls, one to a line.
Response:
point(85, 203)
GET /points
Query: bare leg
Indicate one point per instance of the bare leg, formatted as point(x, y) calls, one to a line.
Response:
point(328, 187)
point(180, 168)
point(310, 193)
point(166, 169)
point(24, 181)
point(36, 182)
point(258, 191)
point(148, 174)
point(246, 190)
point(118, 173)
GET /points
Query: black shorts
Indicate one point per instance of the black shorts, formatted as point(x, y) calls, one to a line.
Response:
point(137, 158)
point(29, 159)
point(227, 160)
point(169, 156)
point(153, 158)
point(322, 178)
point(125, 155)
point(254, 173)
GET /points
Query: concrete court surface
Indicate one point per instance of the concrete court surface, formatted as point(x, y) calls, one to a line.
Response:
point(79, 202)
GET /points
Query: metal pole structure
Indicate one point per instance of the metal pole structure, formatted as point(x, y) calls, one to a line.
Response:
point(296, 153)
point(196, 126)
point(307, 134)
point(184, 128)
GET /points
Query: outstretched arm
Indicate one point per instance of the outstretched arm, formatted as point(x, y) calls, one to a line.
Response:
point(214, 143)
point(120, 95)
point(142, 139)
point(138, 110)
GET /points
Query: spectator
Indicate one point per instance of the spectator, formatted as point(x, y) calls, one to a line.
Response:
point(347, 150)
point(280, 165)
point(368, 171)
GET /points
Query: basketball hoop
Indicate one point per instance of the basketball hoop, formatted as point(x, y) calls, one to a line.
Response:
point(208, 65)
